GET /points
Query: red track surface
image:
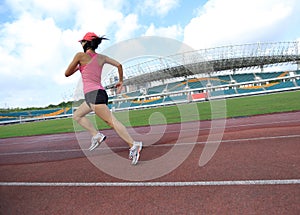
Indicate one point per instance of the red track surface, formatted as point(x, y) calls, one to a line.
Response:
point(260, 148)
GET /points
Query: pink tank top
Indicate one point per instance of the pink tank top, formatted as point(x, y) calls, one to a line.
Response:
point(91, 74)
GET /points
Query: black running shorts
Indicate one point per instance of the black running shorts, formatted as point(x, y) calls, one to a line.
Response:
point(96, 97)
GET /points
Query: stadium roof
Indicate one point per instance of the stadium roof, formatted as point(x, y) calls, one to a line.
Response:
point(235, 57)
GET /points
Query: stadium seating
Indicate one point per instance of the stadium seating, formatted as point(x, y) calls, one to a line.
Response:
point(281, 85)
point(34, 114)
point(218, 81)
point(197, 83)
point(225, 79)
point(271, 75)
point(152, 102)
point(200, 85)
point(219, 86)
point(128, 104)
point(240, 78)
point(177, 86)
point(132, 94)
point(7, 118)
point(156, 89)
point(175, 98)
point(222, 92)
point(249, 90)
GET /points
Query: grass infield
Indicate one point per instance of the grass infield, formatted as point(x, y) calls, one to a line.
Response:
point(235, 107)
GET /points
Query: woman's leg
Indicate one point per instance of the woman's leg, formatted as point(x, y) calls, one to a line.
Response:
point(104, 113)
point(79, 116)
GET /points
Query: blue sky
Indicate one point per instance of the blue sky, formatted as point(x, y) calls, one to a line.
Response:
point(38, 38)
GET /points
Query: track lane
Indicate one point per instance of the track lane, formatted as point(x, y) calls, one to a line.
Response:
point(259, 148)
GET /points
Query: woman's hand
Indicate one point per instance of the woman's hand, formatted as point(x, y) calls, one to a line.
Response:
point(119, 86)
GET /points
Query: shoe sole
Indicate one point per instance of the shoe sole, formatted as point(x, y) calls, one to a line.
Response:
point(135, 161)
point(97, 144)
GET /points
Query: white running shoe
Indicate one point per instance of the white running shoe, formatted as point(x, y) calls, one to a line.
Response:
point(134, 152)
point(96, 140)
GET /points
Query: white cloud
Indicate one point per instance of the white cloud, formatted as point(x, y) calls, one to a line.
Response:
point(127, 27)
point(39, 38)
point(36, 47)
point(158, 7)
point(29, 43)
point(235, 21)
point(93, 16)
point(174, 31)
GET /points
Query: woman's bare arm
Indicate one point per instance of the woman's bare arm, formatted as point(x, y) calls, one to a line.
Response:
point(115, 63)
point(74, 65)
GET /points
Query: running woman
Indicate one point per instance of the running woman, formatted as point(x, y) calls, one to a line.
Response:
point(90, 65)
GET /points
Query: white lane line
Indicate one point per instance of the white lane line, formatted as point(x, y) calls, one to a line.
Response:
point(152, 184)
point(184, 130)
point(41, 152)
point(234, 140)
point(162, 145)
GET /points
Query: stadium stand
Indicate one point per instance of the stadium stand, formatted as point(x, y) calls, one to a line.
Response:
point(222, 93)
point(156, 89)
point(213, 73)
point(240, 78)
point(224, 79)
point(176, 86)
point(226, 86)
point(281, 85)
point(198, 83)
point(23, 116)
point(201, 75)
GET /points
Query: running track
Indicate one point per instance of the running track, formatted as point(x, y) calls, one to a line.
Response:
point(256, 170)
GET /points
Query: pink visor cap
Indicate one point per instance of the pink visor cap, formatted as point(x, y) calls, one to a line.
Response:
point(89, 36)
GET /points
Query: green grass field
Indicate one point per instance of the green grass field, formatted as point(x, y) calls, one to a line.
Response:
point(237, 107)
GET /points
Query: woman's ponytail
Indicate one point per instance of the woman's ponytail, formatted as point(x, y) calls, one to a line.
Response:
point(95, 42)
